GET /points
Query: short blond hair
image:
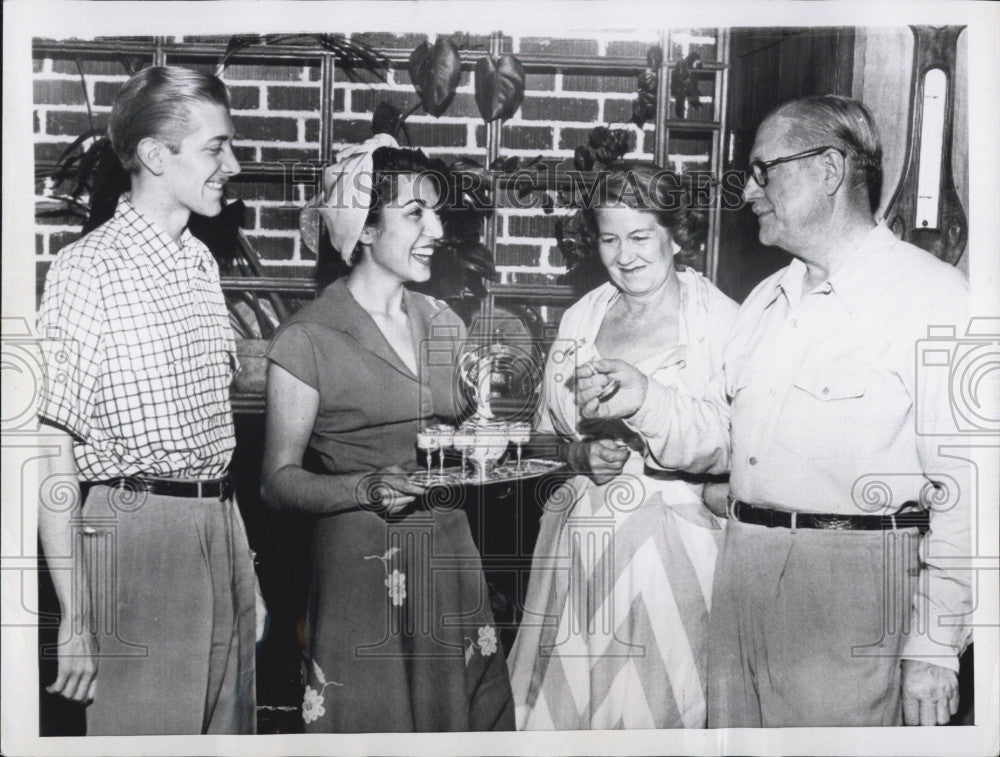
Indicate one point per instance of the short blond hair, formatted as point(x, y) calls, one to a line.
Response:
point(156, 102)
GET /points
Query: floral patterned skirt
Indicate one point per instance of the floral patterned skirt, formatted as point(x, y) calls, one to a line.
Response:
point(401, 635)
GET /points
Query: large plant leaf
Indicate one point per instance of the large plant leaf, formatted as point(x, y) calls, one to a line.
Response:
point(499, 86)
point(644, 107)
point(131, 63)
point(88, 164)
point(684, 83)
point(108, 182)
point(435, 73)
point(610, 146)
point(583, 158)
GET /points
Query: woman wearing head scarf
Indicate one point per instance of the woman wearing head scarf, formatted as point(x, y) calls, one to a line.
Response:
point(613, 633)
point(400, 636)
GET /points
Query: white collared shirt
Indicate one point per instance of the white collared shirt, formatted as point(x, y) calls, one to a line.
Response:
point(827, 403)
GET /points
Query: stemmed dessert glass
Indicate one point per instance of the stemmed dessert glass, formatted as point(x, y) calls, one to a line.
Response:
point(445, 438)
point(519, 434)
point(427, 441)
point(489, 445)
point(463, 439)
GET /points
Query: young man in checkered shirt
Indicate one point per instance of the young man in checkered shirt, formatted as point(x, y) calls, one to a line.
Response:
point(158, 610)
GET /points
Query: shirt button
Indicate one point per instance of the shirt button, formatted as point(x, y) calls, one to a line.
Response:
point(752, 461)
point(826, 390)
point(794, 322)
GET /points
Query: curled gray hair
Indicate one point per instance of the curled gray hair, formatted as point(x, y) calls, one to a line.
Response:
point(840, 122)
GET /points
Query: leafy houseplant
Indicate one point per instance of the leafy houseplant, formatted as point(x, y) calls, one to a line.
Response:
point(88, 178)
point(461, 262)
point(644, 107)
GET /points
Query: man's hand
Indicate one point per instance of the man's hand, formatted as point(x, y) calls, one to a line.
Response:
point(602, 459)
point(77, 676)
point(930, 693)
point(715, 495)
point(592, 378)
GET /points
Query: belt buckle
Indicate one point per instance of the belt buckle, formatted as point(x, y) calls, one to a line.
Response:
point(131, 485)
point(731, 508)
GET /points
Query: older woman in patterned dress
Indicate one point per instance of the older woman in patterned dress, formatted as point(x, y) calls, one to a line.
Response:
point(613, 633)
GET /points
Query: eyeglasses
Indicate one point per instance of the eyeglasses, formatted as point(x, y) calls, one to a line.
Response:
point(759, 168)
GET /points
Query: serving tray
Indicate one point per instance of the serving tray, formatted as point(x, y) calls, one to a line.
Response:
point(505, 473)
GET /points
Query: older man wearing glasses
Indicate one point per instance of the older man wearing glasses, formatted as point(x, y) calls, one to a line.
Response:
point(837, 598)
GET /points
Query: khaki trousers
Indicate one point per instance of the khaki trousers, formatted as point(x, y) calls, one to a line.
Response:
point(807, 626)
point(172, 587)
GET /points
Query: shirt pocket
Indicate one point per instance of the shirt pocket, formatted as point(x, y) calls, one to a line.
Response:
point(170, 354)
point(828, 413)
point(155, 352)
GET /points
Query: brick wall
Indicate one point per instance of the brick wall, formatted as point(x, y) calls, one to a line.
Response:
point(276, 113)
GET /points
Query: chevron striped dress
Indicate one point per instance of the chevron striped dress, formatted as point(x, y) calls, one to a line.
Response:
point(615, 623)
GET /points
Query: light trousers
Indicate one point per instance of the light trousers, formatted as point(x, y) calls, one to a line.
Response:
point(172, 586)
point(807, 627)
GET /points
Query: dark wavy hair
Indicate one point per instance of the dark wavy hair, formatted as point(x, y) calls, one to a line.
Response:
point(669, 197)
point(389, 163)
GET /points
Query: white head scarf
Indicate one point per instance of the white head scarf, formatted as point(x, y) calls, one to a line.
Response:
point(346, 198)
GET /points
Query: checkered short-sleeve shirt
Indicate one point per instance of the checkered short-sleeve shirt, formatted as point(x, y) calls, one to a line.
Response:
point(139, 353)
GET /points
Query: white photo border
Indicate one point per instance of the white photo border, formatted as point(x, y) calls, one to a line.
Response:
point(24, 21)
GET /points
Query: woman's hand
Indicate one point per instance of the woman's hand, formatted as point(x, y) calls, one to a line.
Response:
point(601, 460)
point(388, 490)
point(593, 378)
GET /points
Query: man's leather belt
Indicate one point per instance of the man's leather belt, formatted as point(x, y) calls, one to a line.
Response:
point(218, 488)
point(764, 516)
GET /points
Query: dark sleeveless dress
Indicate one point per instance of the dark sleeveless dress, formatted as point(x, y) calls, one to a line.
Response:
point(400, 632)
